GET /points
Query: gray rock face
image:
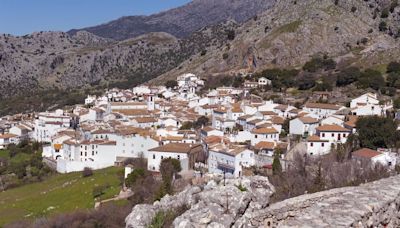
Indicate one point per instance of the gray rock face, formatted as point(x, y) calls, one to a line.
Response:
point(215, 205)
point(278, 39)
point(375, 204)
point(46, 60)
point(181, 21)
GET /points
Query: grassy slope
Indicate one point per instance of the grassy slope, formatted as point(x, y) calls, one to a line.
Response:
point(61, 193)
point(4, 154)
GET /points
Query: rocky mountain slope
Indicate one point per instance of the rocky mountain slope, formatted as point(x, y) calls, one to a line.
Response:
point(359, 32)
point(57, 60)
point(182, 21)
point(353, 32)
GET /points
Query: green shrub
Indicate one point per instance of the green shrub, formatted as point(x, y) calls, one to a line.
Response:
point(241, 187)
point(318, 63)
point(99, 190)
point(382, 26)
point(133, 176)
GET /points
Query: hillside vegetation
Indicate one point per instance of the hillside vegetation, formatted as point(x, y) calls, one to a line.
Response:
point(61, 193)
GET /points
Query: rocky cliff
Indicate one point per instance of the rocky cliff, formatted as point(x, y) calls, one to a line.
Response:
point(375, 204)
point(48, 60)
point(182, 21)
point(291, 32)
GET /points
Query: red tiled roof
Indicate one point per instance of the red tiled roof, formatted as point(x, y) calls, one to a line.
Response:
point(264, 145)
point(176, 148)
point(365, 153)
point(308, 120)
point(322, 106)
point(315, 138)
point(265, 130)
point(333, 127)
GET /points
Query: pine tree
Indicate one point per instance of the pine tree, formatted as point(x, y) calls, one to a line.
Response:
point(276, 164)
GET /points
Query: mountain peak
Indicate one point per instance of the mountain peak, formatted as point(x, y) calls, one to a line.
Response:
point(181, 21)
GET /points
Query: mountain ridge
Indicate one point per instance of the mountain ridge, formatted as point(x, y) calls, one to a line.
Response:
point(180, 21)
point(350, 32)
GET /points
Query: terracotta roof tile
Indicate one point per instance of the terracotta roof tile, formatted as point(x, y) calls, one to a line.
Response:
point(177, 148)
point(365, 153)
point(322, 106)
point(269, 130)
point(316, 138)
point(333, 127)
point(265, 145)
point(308, 120)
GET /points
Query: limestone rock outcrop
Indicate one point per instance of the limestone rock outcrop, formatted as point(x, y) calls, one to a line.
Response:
point(375, 204)
point(212, 205)
point(245, 203)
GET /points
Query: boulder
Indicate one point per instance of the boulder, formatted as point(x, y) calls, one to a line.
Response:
point(212, 205)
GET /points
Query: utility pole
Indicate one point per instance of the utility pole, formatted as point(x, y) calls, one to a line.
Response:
point(224, 176)
point(227, 203)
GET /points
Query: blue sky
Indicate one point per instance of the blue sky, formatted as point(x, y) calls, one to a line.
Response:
point(21, 17)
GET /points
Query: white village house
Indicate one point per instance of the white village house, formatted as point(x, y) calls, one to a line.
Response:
point(226, 160)
point(187, 154)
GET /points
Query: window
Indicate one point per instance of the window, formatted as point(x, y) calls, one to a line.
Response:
point(154, 156)
point(344, 135)
point(255, 136)
point(322, 144)
point(162, 157)
point(85, 154)
point(92, 153)
point(333, 135)
point(179, 157)
point(323, 134)
point(81, 153)
point(311, 144)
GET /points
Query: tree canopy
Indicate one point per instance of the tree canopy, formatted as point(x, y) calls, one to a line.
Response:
point(377, 132)
point(171, 84)
point(372, 79)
